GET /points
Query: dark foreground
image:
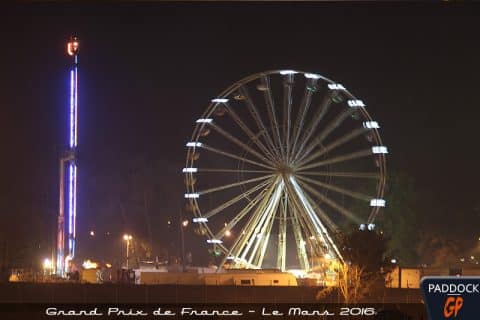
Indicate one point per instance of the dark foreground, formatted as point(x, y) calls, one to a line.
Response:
point(30, 301)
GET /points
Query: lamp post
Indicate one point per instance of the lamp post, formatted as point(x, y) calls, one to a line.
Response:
point(127, 238)
point(183, 225)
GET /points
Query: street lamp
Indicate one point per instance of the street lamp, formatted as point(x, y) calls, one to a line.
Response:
point(127, 238)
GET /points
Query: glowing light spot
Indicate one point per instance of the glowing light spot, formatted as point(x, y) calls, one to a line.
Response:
point(379, 149)
point(356, 103)
point(371, 125)
point(377, 203)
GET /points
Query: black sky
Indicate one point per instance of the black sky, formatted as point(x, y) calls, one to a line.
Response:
point(147, 71)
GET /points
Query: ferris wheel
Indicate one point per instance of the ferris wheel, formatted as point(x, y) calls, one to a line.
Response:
point(277, 165)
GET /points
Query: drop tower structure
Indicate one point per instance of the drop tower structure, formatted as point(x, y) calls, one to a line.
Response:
point(66, 230)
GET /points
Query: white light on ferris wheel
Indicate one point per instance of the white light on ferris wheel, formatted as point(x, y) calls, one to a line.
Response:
point(312, 76)
point(194, 144)
point(356, 103)
point(191, 195)
point(379, 149)
point(198, 220)
point(204, 121)
point(371, 125)
point(377, 203)
point(335, 86)
point(285, 72)
point(189, 170)
point(219, 100)
point(216, 241)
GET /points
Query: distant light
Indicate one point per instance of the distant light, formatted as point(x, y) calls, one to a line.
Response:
point(462, 259)
point(371, 226)
point(219, 100)
point(185, 223)
point(377, 203)
point(214, 241)
point(312, 76)
point(361, 227)
point(194, 144)
point(197, 220)
point(204, 121)
point(127, 237)
point(379, 149)
point(169, 222)
point(371, 125)
point(47, 264)
point(327, 256)
point(393, 261)
point(356, 103)
point(92, 233)
point(108, 265)
point(472, 257)
point(230, 258)
point(228, 233)
point(335, 86)
point(284, 72)
point(191, 195)
point(87, 264)
point(189, 170)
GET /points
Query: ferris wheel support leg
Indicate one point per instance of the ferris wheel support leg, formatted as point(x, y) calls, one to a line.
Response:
point(260, 229)
point(251, 224)
point(301, 252)
point(257, 257)
point(282, 236)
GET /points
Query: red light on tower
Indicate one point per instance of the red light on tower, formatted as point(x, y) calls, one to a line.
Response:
point(73, 46)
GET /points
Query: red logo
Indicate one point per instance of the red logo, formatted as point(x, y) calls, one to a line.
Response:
point(452, 306)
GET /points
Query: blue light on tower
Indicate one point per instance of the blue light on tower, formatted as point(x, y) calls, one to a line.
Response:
point(66, 233)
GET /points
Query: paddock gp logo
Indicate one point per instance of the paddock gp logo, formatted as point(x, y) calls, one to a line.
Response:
point(452, 297)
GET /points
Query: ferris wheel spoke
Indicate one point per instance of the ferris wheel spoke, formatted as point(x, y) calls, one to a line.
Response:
point(234, 156)
point(235, 184)
point(264, 214)
point(260, 125)
point(338, 142)
point(240, 143)
point(205, 170)
point(320, 231)
point(248, 131)
point(356, 195)
point(342, 158)
point(322, 215)
point(252, 222)
point(364, 175)
point(328, 129)
point(322, 110)
point(271, 112)
point(234, 200)
point(304, 106)
point(287, 109)
point(266, 240)
point(345, 212)
point(239, 216)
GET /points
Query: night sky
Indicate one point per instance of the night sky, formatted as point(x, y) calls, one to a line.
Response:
point(147, 71)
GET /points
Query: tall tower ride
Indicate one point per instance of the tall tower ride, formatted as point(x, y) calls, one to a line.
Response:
point(66, 231)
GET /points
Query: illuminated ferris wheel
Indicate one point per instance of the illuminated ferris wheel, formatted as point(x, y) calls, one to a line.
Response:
point(278, 164)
